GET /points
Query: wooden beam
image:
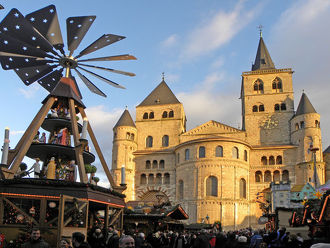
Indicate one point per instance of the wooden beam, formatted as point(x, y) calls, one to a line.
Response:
point(78, 149)
point(84, 204)
point(43, 208)
point(106, 217)
point(115, 217)
point(30, 133)
point(21, 211)
point(13, 152)
point(98, 149)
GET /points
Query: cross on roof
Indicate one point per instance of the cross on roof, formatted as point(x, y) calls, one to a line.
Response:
point(260, 27)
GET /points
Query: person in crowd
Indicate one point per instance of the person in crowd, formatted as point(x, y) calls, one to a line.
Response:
point(231, 240)
point(65, 243)
point(113, 241)
point(36, 138)
point(96, 239)
point(42, 139)
point(78, 240)
point(35, 240)
point(36, 168)
point(202, 240)
point(126, 241)
point(242, 242)
point(220, 240)
point(256, 240)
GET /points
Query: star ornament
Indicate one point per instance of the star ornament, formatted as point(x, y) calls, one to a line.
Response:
point(318, 194)
point(303, 202)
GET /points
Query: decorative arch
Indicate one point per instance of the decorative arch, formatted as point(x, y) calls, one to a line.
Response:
point(145, 116)
point(285, 176)
point(181, 190)
point(276, 176)
point(211, 186)
point(162, 164)
point(151, 179)
point(271, 160)
point(264, 160)
point(201, 152)
point(277, 85)
point(171, 114)
point(151, 115)
point(258, 177)
point(155, 164)
point(268, 176)
point(279, 160)
point(258, 86)
point(219, 151)
point(235, 153)
point(165, 141)
point(143, 179)
point(149, 141)
point(164, 115)
point(167, 179)
point(158, 178)
point(242, 188)
point(148, 165)
point(152, 194)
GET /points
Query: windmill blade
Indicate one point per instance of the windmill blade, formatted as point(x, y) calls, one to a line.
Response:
point(32, 74)
point(109, 69)
point(16, 26)
point(103, 79)
point(13, 62)
point(45, 20)
point(76, 28)
point(17, 47)
point(92, 87)
point(111, 58)
point(50, 81)
point(104, 40)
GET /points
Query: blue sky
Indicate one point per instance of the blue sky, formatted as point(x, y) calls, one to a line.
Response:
point(202, 46)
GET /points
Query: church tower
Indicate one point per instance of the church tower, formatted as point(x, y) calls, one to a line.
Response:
point(124, 144)
point(160, 119)
point(306, 134)
point(267, 101)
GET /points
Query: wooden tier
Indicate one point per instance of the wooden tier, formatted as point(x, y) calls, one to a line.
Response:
point(51, 124)
point(45, 151)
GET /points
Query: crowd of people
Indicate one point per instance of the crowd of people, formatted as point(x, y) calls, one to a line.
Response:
point(213, 238)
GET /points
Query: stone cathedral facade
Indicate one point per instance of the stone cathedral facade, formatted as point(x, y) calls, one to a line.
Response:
point(216, 171)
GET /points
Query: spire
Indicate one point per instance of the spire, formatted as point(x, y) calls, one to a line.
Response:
point(305, 106)
point(162, 94)
point(125, 120)
point(263, 60)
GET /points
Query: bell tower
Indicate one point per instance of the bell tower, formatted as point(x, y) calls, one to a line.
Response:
point(267, 101)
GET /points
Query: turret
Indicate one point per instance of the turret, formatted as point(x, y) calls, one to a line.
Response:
point(306, 134)
point(124, 144)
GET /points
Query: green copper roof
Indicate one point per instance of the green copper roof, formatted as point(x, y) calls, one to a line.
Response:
point(305, 106)
point(162, 94)
point(263, 60)
point(125, 120)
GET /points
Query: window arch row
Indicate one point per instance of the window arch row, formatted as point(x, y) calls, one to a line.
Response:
point(157, 178)
point(155, 164)
point(148, 115)
point(168, 114)
point(271, 160)
point(268, 176)
point(258, 108)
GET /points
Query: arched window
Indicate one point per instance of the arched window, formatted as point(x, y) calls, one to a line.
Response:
point(261, 108)
point(148, 164)
point(219, 151)
point(164, 115)
point(235, 152)
point(277, 85)
point(255, 108)
point(317, 124)
point(155, 164)
point(181, 190)
point(242, 188)
point(186, 154)
point(274, 85)
point(277, 107)
point(285, 176)
point(268, 177)
point(151, 115)
point(302, 124)
point(167, 178)
point(261, 87)
point(201, 152)
point(258, 86)
point(245, 155)
point(145, 116)
point(151, 179)
point(165, 141)
point(149, 141)
point(276, 176)
point(128, 135)
point(297, 126)
point(258, 177)
point(279, 160)
point(255, 87)
point(143, 179)
point(211, 186)
point(283, 106)
point(159, 178)
point(132, 136)
point(161, 164)
point(271, 160)
point(264, 160)
point(171, 114)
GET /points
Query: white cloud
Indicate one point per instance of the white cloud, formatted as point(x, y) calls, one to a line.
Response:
point(219, 62)
point(16, 132)
point(206, 103)
point(218, 30)
point(29, 92)
point(301, 41)
point(170, 41)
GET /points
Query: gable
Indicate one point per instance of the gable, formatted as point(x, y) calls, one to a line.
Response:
point(212, 127)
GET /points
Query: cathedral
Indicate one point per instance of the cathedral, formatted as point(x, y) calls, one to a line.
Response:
point(216, 171)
